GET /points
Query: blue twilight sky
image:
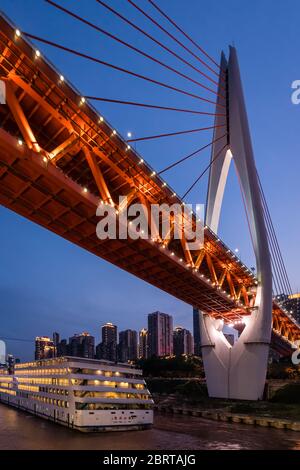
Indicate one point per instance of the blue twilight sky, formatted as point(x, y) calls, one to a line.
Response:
point(48, 284)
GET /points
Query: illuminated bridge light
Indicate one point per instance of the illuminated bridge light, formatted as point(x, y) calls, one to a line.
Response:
point(141, 161)
point(20, 142)
point(153, 173)
point(114, 132)
point(18, 33)
point(37, 53)
point(128, 148)
point(61, 78)
point(85, 190)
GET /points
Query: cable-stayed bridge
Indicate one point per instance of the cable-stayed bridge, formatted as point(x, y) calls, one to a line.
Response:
point(60, 159)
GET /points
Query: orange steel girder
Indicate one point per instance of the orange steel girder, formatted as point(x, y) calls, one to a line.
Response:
point(61, 150)
point(98, 176)
point(20, 118)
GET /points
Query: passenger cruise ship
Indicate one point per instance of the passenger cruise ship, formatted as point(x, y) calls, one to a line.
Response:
point(84, 394)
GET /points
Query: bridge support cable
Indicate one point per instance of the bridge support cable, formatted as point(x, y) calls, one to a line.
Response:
point(66, 119)
point(277, 252)
point(151, 106)
point(163, 46)
point(130, 46)
point(275, 278)
point(277, 273)
point(275, 239)
point(184, 33)
point(116, 67)
point(172, 134)
point(150, 18)
point(204, 171)
point(190, 155)
point(283, 269)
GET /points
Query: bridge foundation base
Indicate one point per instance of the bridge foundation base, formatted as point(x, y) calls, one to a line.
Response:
point(234, 372)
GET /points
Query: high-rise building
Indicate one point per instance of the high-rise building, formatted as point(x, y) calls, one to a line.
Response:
point(44, 348)
point(82, 345)
point(160, 334)
point(107, 349)
point(127, 347)
point(196, 332)
point(62, 348)
point(182, 341)
point(10, 360)
point(292, 304)
point(143, 344)
point(55, 339)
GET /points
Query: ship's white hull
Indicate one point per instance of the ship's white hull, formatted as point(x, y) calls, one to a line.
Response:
point(85, 421)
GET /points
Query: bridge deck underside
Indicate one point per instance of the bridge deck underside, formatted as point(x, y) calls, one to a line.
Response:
point(42, 194)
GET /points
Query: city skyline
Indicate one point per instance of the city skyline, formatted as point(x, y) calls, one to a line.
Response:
point(65, 342)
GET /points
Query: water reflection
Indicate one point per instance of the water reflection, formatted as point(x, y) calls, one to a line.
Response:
point(19, 430)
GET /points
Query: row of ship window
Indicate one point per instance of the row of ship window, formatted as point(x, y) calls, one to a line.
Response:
point(51, 401)
point(8, 391)
point(83, 393)
point(116, 395)
point(107, 406)
point(6, 384)
point(27, 383)
point(63, 370)
point(43, 372)
point(44, 381)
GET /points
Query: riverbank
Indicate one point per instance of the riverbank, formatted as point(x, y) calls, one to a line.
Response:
point(263, 420)
point(281, 402)
point(262, 413)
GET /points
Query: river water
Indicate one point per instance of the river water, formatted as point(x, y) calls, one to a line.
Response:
point(20, 430)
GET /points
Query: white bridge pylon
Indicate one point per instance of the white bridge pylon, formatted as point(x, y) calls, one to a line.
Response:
point(238, 371)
